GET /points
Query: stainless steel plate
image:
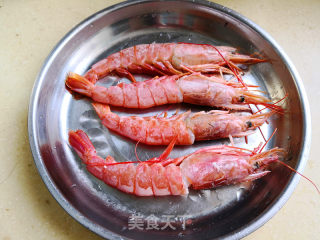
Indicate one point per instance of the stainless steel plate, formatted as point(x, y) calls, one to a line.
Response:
point(228, 212)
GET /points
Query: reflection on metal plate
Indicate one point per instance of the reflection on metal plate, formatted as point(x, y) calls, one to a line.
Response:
point(229, 212)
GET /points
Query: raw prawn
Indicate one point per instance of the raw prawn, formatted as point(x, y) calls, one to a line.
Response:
point(194, 88)
point(168, 59)
point(206, 168)
point(188, 127)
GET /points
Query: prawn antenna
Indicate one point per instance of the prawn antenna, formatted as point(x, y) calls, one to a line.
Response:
point(258, 128)
point(308, 179)
point(234, 70)
point(284, 164)
point(187, 69)
point(282, 99)
point(263, 146)
point(135, 150)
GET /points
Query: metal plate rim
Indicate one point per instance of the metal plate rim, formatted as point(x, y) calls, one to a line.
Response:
point(261, 220)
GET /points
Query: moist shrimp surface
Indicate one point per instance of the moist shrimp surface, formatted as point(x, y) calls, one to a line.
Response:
point(160, 176)
point(168, 59)
point(188, 127)
point(194, 89)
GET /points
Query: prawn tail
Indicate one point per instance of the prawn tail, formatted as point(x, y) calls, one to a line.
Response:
point(81, 143)
point(251, 98)
point(79, 84)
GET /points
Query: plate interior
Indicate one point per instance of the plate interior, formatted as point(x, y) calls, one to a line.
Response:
point(204, 214)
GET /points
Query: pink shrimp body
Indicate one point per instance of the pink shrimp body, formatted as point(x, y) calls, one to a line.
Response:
point(195, 89)
point(206, 168)
point(188, 127)
point(167, 59)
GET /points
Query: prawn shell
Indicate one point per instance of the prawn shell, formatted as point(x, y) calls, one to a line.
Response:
point(160, 182)
point(143, 185)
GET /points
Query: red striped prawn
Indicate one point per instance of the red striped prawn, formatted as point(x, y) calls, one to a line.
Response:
point(169, 59)
point(194, 88)
point(188, 127)
point(205, 168)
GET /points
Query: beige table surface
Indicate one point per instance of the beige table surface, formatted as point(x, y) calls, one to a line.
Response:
point(28, 32)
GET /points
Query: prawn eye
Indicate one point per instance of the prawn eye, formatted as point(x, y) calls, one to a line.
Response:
point(256, 165)
point(241, 98)
point(249, 124)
